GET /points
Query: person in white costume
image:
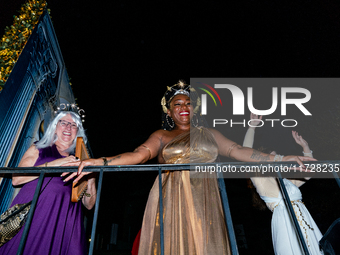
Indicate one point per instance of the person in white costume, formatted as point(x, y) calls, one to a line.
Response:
point(284, 237)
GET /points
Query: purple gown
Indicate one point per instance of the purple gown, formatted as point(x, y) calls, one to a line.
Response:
point(57, 226)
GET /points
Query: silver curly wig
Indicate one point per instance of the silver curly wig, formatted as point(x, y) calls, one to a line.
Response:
point(50, 137)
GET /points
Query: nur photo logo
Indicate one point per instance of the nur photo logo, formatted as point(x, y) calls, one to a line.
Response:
point(204, 97)
point(220, 90)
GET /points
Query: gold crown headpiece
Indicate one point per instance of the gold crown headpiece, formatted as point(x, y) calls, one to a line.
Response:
point(177, 89)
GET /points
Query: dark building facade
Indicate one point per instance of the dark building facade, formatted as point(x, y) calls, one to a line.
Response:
point(37, 84)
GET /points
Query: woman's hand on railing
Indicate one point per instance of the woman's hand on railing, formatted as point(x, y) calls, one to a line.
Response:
point(81, 164)
point(299, 160)
point(62, 161)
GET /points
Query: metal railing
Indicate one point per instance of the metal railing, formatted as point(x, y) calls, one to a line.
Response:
point(159, 168)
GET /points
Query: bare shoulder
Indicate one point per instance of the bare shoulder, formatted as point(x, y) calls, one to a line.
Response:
point(30, 156)
point(155, 139)
point(160, 133)
point(32, 150)
point(162, 137)
point(222, 141)
point(217, 134)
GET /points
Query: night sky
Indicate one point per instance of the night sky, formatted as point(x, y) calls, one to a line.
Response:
point(121, 55)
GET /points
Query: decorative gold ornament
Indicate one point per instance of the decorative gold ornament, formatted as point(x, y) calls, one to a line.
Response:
point(181, 84)
point(16, 36)
point(198, 104)
point(163, 103)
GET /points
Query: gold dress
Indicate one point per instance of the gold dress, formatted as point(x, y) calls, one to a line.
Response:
point(193, 214)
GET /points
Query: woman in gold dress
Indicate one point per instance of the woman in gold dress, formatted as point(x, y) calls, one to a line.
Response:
point(192, 211)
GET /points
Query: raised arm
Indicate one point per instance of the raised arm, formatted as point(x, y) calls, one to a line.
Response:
point(306, 152)
point(303, 143)
point(249, 137)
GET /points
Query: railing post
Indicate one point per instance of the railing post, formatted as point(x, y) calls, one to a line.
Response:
point(96, 210)
point(161, 209)
point(227, 215)
point(30, 214)
point(291, 212)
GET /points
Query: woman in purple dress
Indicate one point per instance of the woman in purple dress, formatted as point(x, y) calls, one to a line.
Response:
point(57, 225)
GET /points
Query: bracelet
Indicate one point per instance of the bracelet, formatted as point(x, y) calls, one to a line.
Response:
point(278, 157)
point(309, 153)
point(230, 149)
point(105, 161)
point(148, 150)
point(89, 195)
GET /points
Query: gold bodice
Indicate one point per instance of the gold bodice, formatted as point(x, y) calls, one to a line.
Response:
point(196, 146)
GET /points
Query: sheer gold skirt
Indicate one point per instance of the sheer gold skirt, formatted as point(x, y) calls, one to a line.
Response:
point(192, 215)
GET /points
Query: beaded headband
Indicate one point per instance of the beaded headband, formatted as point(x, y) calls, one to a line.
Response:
point(178, 89)
point(72, 108)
